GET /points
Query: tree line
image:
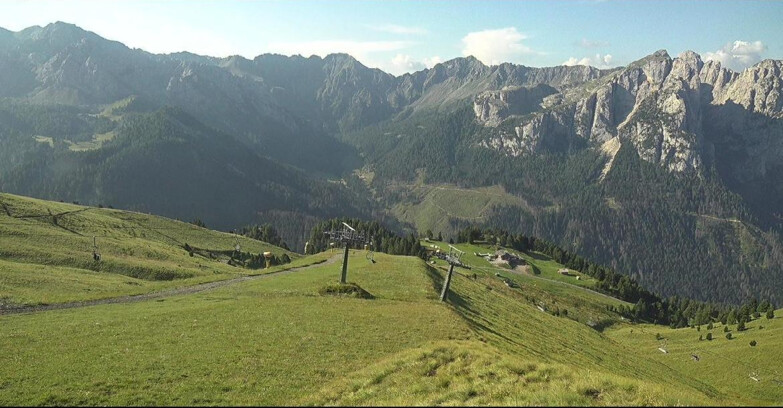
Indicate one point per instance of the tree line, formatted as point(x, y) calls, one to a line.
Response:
point(379, 238)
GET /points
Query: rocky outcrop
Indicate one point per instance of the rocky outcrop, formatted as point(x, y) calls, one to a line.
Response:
point(659, 105)
point(493, 107)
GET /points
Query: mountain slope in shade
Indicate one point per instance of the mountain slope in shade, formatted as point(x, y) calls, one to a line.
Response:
point(168, 163)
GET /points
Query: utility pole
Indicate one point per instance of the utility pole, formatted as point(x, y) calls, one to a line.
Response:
point(347, 235)
point(344, 273)
point(453, 259)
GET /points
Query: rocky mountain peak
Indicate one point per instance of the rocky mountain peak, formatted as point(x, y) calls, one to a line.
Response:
point(659, 105)
point(660, 54)
point(58, 33)
point(469, 66)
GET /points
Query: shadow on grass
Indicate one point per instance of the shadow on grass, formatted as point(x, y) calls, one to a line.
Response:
point(349, 289)
point(461, 305)
point(603, 324)
point(437, 280)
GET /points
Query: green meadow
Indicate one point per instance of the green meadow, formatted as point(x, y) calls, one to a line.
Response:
point(46, 252)
point(281, 339)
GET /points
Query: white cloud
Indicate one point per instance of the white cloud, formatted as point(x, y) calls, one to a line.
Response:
point(585, 43)
point(403, 63)
point(431, 62)
point(598, 61)
point(494, 47)
point(398, 29)
point(738, 55)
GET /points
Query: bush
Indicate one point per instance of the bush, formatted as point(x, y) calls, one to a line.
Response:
point(726, 329)
point(709, 326)
point(701, 337)
point(728, 336)
point(197, 222)
point(753, 343)
point(658, 336)
point(349, 290)
point(770, 313)
point(709, 336)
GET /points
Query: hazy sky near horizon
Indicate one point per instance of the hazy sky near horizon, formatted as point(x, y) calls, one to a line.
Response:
point(403, 36)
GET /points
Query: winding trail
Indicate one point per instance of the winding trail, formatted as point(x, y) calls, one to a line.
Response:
point(202, 287)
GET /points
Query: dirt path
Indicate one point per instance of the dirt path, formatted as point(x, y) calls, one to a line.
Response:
point(157, 295)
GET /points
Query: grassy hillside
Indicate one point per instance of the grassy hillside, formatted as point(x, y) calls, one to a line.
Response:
point(439, 207)
point(46, 252)
point(269, 342)
point(282, 340)
point(732, 365)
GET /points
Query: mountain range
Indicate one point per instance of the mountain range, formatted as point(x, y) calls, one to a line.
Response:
point(668, 169)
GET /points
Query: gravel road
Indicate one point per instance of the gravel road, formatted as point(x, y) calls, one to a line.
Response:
point(7, 310)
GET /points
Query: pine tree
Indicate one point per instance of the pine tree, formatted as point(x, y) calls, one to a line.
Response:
point(732, 318)
point(763, 306)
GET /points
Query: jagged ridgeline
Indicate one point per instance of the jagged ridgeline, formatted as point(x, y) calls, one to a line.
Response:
point(669, 169)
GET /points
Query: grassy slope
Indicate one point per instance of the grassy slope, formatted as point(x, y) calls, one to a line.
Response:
point(276, 341)
point(433, 207)
point(548, 289)
point(728, 364)
point(41, 262)
point(474, 373)
point(264, 342)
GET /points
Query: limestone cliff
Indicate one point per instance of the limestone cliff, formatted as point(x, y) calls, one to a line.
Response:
point(675, 111)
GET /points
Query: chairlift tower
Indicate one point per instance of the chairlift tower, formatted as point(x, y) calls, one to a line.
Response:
point(453, 258)
point(347, 235)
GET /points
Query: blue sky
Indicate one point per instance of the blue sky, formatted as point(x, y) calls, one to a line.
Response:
point(401, 36)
